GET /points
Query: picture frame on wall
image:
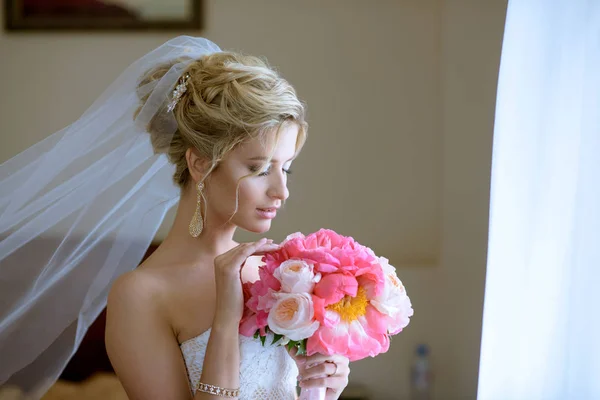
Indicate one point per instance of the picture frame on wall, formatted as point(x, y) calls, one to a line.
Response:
point(102, 15)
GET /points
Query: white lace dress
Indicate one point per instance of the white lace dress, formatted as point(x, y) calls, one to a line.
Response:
point(265, 372)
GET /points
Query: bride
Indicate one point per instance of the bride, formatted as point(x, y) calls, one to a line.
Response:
point(227, 128)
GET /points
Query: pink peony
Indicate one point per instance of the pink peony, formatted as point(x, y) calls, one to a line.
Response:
point(358, 300)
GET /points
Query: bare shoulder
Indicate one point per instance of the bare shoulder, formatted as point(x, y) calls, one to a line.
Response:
point(136, 287)
point(133, 305)
point(139, 298)
point(140, 341)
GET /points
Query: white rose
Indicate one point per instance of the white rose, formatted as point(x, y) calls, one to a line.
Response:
point(296, 276)
point(393, 300)
point(292, 315)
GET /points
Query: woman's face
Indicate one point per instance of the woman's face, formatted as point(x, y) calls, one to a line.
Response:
point(259, 197)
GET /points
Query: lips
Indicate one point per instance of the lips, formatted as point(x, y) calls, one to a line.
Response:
point(267, 213)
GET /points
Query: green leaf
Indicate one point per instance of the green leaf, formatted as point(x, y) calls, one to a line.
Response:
point(290, 345)
point(276, 337)
point(256, 334)
point(262, 340)
point(302, 347)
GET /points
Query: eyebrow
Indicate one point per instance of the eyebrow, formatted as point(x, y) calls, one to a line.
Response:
point(263, 158)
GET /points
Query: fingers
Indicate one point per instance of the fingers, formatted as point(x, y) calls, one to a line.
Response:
point(245, 250)
point(238, 255)
point(333, 382)
point(268, 247)
point(320, 358)
point(321, 370)
point(293, 352)
point(300, 359)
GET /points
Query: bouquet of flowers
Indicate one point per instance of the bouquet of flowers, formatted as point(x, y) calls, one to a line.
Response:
point(325, 293)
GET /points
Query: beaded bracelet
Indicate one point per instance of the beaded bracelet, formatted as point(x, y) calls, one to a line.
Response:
point(219, 391)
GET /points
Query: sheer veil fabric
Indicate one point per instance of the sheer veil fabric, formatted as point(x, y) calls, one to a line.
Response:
point(96, 193)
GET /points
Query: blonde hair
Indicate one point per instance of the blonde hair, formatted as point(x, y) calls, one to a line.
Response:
point(230, 98)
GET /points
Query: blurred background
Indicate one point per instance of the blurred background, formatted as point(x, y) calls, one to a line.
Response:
point(400, 97)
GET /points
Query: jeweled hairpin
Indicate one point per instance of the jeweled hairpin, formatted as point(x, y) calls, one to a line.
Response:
point(179, 90)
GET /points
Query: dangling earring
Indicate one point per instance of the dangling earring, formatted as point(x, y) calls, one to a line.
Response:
point(197, 224)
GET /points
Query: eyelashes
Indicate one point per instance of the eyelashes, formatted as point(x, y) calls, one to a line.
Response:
point(267, 172)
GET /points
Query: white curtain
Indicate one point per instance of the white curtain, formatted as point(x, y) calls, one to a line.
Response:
point(541, 324)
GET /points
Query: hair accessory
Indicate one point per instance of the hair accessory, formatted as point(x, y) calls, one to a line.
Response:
point(179, 90)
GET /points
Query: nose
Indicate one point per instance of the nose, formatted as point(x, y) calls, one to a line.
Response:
point(278, 188)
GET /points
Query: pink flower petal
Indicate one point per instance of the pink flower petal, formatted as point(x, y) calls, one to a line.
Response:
point(328, 341)
point(265, 303)
point(376, 322)
point(248, 326)
point(325, 268)
point(333, 287)
point(319, 305)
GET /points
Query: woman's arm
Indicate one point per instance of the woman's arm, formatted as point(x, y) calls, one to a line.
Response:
point(222, 358)
point(140, 343)
point(144, 350)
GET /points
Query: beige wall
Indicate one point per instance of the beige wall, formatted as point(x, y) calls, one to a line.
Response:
point(471, 43)
point(401, 99)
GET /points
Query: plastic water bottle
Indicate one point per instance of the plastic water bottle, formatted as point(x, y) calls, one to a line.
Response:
point(421, 375)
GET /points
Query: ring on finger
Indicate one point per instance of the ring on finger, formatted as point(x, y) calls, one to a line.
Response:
point(336, 368)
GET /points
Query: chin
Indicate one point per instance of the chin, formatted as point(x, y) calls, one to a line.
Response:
point(260, 230)
point(257, 227)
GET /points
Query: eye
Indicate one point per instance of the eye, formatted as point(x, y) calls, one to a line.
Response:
point(254, 168)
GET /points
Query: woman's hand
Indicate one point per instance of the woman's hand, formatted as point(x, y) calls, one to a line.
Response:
point(228, 266)
point(320, 370)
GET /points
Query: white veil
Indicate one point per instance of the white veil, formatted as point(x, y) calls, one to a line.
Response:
point(96, 194)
